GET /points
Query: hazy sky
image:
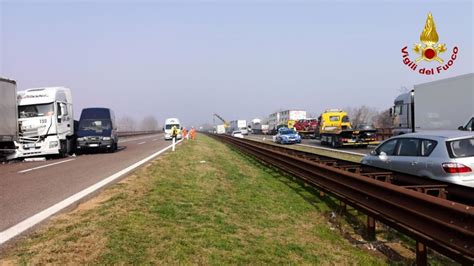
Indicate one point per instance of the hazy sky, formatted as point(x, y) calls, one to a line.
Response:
point(241, 59)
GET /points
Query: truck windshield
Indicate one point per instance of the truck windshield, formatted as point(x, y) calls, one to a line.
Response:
point(35, 110)
point(95, 124)
point(170, 126)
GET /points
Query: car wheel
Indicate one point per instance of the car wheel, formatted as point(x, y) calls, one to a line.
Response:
point(114, 147)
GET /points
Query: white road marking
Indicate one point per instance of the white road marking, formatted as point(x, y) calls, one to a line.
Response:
point(141, 143)
point(43, 166)
point(26, 224)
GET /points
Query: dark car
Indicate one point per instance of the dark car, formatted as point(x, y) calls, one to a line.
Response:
point(97, 130)
point(364, 127)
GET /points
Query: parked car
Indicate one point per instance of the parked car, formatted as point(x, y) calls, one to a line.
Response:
point(364, 127)
point(442, 155)
point(237, 134)
point(287, 136)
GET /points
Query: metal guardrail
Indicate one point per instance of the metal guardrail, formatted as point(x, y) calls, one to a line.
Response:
point(136, 133)
point(441, 224)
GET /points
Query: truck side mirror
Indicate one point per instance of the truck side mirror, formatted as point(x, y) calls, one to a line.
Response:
point(59, 119)
point(460, 128)
point(391, 111)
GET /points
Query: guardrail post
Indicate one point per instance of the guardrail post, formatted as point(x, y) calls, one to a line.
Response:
point(420, 254)
point(370, 228)
point(174, 144)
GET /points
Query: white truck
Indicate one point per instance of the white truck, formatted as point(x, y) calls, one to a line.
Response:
point(45, 122)
point(220, 129)
point(255, 126)
point(8, 118)
point(168, 128)
point(442, 104)
point(239, 125)
point(286, 118)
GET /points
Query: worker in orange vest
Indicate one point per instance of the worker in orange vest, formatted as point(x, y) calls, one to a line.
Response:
point(192, 133)
point(184, 132)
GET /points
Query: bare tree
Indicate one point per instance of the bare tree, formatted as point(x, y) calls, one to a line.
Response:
point(149, 123)
point(361, 115)
point(383, 120)
point(126, 123)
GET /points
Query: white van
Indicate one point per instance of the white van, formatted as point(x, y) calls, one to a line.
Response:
point(169, 123)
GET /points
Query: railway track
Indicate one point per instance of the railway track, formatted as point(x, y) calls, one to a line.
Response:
point(435, 214)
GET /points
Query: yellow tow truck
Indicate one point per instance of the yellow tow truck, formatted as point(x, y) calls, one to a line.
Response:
point(335, 129)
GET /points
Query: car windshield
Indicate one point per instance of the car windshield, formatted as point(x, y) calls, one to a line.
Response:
point(36, 110)
point(287, 132)
point(170, 126)
point(461, 148)
point(365, 127)
point(95, 124)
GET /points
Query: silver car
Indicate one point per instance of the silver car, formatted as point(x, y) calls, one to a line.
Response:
point(443, 155)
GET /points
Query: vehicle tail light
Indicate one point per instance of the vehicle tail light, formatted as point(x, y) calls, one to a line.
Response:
point(455, 168)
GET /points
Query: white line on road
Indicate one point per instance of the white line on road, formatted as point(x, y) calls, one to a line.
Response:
point(143, 142)
point(43, 215)
point(43, 166)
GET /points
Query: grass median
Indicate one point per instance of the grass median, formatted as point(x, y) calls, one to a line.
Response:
point(203, 204)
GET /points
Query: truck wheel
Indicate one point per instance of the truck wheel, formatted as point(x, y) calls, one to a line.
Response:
point(70, 146)
point(62, 148)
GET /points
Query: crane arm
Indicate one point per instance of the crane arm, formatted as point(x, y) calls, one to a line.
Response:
point(226, 124)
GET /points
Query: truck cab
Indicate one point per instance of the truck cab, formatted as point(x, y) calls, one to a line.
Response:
point(97, 130)
point(333, 121)
point(46, 122)
point(168, 128)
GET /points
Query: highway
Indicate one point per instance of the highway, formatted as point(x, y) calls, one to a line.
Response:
point(317, 144)
point(28, 188)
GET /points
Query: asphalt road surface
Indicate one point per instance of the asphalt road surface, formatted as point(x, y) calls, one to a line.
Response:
point(30, 187)
point(316, 143)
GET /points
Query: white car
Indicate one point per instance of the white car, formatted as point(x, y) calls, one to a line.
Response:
point(237, 134)
point(443, 155)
